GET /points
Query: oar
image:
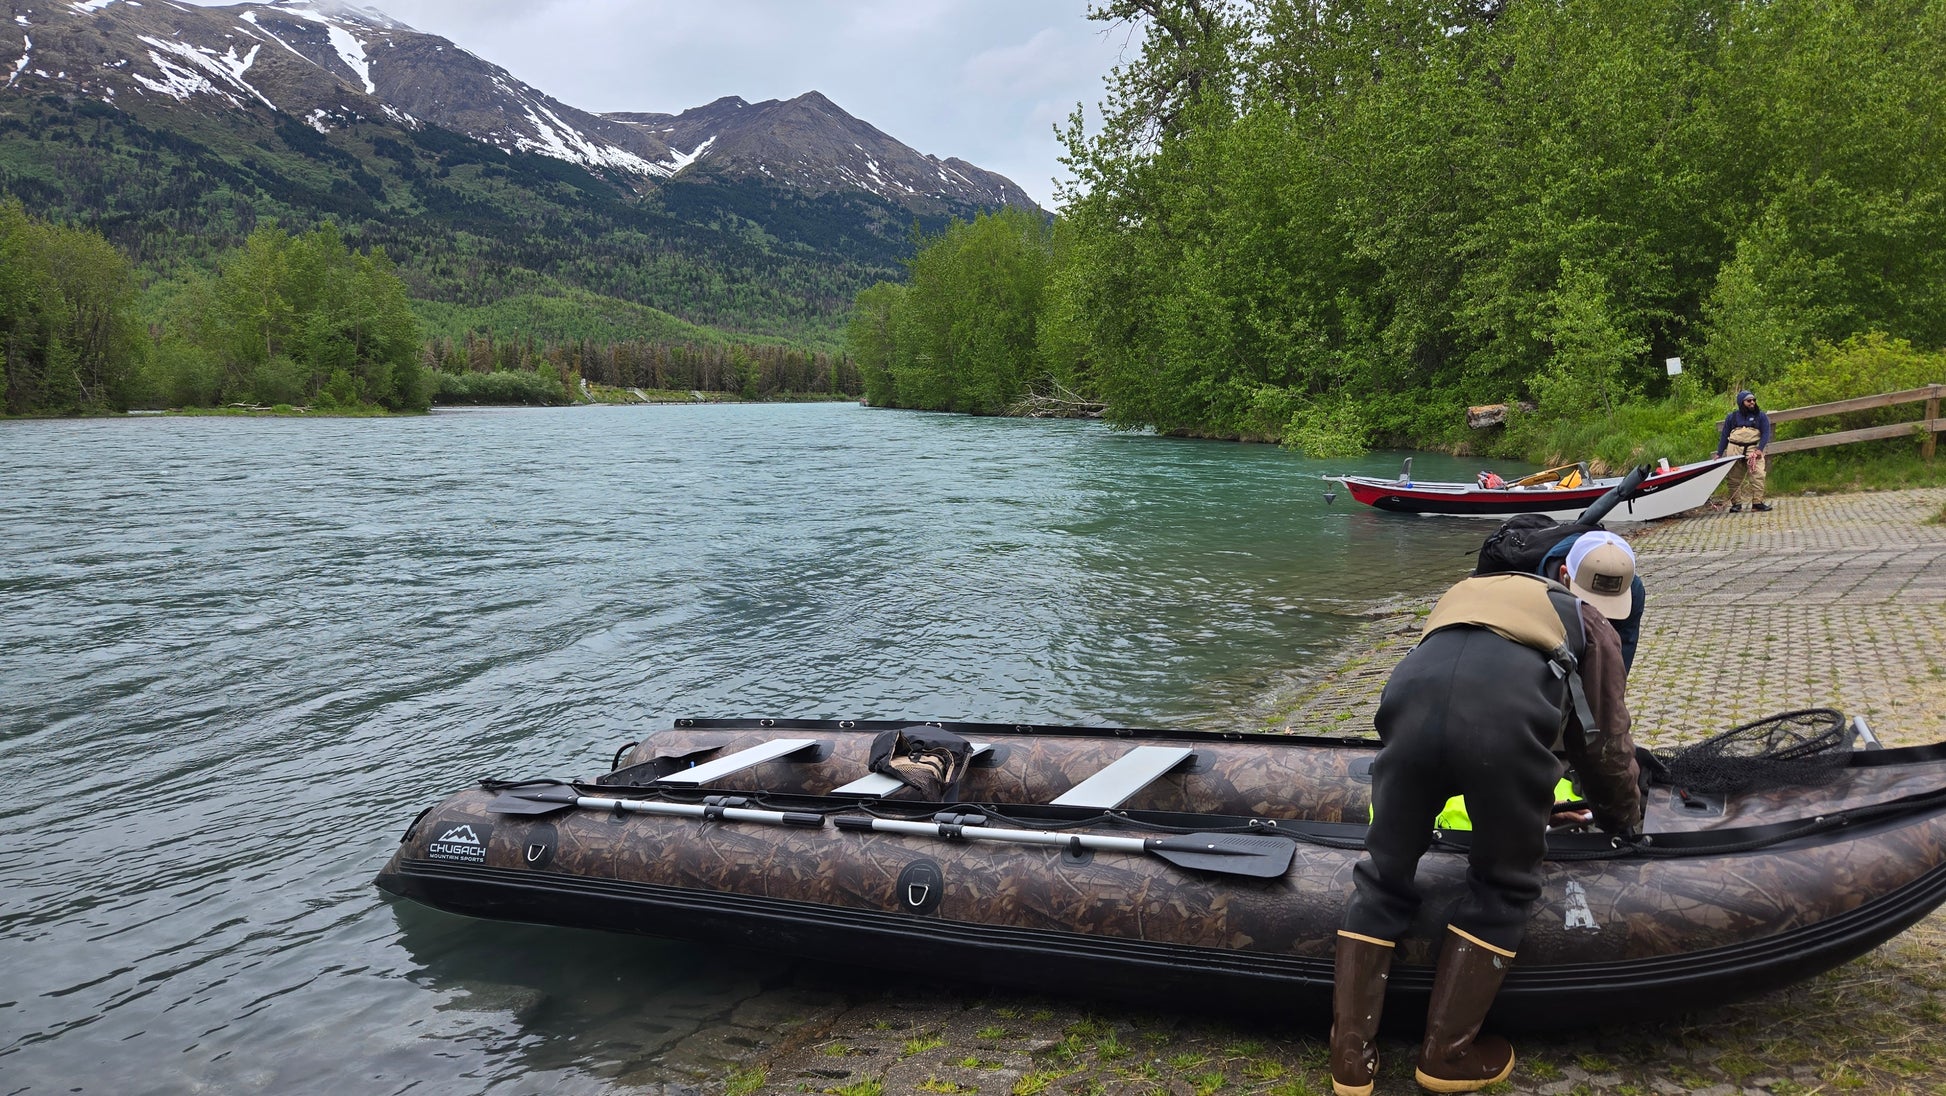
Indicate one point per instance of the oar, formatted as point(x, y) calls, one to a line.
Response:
point(549, 798)
point(1599, 508)
point(1230, 853)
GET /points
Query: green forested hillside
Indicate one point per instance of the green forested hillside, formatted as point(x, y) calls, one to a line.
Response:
point(1345, 222)
point(481, 237)
point(285, 321)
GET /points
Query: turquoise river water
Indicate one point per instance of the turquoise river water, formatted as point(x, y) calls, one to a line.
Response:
point(237, 656)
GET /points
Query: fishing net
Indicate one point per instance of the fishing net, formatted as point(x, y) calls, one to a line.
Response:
point(1793, 749)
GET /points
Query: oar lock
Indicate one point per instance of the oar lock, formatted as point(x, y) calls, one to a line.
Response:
point(715, 805)
point(960, 818)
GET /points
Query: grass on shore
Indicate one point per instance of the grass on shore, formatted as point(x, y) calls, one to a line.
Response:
point(1872, 1025)
point(1876, 466)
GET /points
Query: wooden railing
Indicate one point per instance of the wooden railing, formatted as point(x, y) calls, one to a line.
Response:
point(1931, 423)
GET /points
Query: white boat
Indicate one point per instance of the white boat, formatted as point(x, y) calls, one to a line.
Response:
point(1560, 493)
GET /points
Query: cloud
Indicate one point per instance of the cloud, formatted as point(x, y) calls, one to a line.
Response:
point(983, 80)
point(1041, 62)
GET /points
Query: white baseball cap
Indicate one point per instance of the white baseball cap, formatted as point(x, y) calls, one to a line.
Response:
point(1601, 568)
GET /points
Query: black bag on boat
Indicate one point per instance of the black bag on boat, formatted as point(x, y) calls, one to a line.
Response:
point(1522, 542)
point(930, 759)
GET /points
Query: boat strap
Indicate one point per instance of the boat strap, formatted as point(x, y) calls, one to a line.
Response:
point(644, 773)
point(777, 749)
point(1125, 776)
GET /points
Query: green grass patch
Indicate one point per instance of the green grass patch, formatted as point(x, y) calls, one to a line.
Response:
point(1264, 1069)
point(1594, 1063)
point(921, 1045)
point(1866, 466)
point(1037, 1082)
point(1183, 1063)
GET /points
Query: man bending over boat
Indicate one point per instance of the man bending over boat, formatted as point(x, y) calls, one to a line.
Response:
point(1511, 672)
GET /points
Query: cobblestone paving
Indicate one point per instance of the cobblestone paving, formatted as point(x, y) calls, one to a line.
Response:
point(1833, 602)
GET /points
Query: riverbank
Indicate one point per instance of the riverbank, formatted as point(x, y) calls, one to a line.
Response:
point(1836, 601)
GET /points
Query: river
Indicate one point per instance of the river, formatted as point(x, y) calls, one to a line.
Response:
point(238, 655)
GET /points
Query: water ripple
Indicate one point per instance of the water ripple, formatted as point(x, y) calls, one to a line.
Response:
point(238, 656)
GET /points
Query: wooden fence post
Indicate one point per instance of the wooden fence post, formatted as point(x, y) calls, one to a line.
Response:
point(1932, 438)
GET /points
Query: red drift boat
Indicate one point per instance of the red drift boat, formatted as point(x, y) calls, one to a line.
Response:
point(1559, 493)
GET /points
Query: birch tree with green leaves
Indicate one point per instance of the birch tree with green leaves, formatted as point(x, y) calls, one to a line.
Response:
point(68, 341)
point(301, 319)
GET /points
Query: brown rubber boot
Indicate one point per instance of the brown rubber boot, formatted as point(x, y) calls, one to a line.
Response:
point(1456, 1057)
point(1357, 999)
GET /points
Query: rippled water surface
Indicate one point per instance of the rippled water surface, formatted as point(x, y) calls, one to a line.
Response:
point(237, 656)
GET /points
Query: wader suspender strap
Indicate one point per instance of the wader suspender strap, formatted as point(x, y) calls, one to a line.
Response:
point(1566, 665)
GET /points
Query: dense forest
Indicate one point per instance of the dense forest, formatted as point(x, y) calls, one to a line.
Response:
point(284, 319)
point(307, 321)
point(1339, 223)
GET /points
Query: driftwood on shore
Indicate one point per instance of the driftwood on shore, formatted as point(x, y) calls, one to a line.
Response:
point(1055, 401)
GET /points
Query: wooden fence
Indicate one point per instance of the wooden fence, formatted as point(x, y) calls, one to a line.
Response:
point(1931, 423)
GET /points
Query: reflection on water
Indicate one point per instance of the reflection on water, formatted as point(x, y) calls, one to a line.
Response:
point(238, 656)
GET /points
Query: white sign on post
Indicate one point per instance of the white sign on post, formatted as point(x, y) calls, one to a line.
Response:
point(1674, 364)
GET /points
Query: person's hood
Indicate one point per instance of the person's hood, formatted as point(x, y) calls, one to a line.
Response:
point(1744, 394)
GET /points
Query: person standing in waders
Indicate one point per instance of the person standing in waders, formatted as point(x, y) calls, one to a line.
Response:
point(1511, 671)
point(1745, 433)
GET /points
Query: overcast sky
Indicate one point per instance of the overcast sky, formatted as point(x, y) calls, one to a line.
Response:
point(984, 80)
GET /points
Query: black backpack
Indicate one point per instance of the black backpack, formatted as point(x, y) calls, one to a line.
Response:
point(1522, 542)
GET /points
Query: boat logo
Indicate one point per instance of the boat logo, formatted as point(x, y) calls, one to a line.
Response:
point(464, 842)
point(1579, 915)
point(920, 887)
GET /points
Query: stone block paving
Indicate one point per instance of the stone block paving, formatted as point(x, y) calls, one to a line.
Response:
point(1836, 601)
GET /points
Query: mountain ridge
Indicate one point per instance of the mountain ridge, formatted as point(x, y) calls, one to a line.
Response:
point(176, 131)
point(334, 64)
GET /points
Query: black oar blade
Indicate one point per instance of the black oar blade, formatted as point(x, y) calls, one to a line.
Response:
point(1228, 853)
point(542, 800)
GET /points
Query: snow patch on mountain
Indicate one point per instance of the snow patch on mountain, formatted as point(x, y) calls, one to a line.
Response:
point(350, 50)
point(21, 65)
point(179, 83)
point(563, 142)
point(679, 159)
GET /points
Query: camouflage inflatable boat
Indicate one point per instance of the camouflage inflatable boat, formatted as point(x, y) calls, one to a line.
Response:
point(1164, 865)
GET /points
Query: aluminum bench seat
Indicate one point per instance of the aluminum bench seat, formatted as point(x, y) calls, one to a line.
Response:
point(1125, 776)
point(774, 750)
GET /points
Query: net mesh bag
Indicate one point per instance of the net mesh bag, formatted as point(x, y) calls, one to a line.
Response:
point(1793, 749)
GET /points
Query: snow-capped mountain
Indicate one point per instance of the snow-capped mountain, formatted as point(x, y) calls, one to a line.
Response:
point(330, 64)
point(811, 143)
